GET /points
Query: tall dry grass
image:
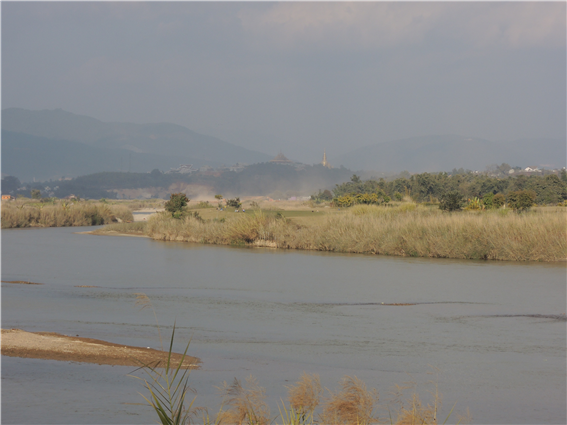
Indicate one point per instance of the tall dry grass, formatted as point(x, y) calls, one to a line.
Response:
point(352, 404)
point(424, 232)
point(242, 229)
point(406, 230)
point(61, 214)
point(138, 204)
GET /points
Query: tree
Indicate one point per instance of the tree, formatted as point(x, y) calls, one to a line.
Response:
point(177, 202)
point(10, 184)
point(35, 194)
point(451, 201)
point(521, 200)
point(355, 179)
point(326, 195)
point(234, 203)
point(488, 200)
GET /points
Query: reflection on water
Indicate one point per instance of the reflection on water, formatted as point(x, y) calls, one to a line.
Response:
point(495, 330)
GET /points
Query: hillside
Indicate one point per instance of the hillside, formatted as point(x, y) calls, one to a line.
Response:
point(29, 157)
point(162, 139)
point(443, 153)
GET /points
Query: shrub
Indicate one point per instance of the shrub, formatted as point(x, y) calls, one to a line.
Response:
point(498, 201)
point(234, 203)
point(521, 200)
point(474, 204)
point(488, 200)
point(377, 198)
point(204, 204)
point(451, 201)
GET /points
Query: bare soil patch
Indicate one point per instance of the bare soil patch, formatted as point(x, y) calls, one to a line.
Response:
point(54, 346)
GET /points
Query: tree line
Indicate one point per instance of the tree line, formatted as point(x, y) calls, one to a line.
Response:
point(433, 187)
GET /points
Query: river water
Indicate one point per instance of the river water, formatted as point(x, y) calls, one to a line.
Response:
point(489, 333)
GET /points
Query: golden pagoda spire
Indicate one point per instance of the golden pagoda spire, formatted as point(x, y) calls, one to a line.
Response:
point(324, 162)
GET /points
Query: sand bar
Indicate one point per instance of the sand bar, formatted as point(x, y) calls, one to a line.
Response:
point(54, 346)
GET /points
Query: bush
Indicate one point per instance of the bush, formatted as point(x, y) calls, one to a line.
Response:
point(234, 203)
point(176, 203)
point(488, 200)
point(451, 201)
point(474, 204)
point(204, 204)
point(521, 200)
point(377, 198)
point(498, 201)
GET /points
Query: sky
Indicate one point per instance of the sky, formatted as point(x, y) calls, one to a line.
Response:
point(292, 76)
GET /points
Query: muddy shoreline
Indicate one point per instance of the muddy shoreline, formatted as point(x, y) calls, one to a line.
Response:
point(54, 346)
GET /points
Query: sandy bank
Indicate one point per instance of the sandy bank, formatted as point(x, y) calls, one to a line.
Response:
point(110, 233)
point(54, 346)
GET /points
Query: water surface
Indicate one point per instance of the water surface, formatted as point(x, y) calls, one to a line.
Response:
point(492, 329)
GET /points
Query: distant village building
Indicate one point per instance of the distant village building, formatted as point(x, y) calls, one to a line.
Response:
point(531, 169)
point(324, 163)
point(281, 159)
point(237, 167)
point(182, 169)
point(6, 197)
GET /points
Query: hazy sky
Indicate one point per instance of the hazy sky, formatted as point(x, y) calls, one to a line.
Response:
point(298, 77)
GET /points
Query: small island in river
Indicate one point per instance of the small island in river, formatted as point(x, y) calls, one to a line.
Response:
point(54, 346)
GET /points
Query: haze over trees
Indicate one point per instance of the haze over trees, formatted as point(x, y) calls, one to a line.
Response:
point(50, 144)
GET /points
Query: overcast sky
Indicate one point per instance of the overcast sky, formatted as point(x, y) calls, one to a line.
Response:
point(299, 77)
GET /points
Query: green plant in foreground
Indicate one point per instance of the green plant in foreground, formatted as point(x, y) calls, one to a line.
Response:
point(168, 389)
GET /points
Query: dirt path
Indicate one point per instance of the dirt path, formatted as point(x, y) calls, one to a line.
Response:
point(54, 346)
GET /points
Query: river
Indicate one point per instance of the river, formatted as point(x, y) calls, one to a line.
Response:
point(491, 331)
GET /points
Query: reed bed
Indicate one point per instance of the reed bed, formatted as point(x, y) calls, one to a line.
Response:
point(309, 404)
point(62, 214)
point(406, 230)
point(137, 204)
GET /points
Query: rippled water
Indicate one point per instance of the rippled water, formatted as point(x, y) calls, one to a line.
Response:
point(495, 330)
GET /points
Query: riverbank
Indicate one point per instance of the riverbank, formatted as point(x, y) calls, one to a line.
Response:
point(62, 213)
point(54, 346)
point(405, 230)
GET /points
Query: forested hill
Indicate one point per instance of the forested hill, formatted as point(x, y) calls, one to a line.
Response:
point(38, 158)
point(269, 179)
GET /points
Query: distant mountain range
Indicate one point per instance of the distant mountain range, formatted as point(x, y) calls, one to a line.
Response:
point(50, 144)
point(53, 143)
point(443, 153)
